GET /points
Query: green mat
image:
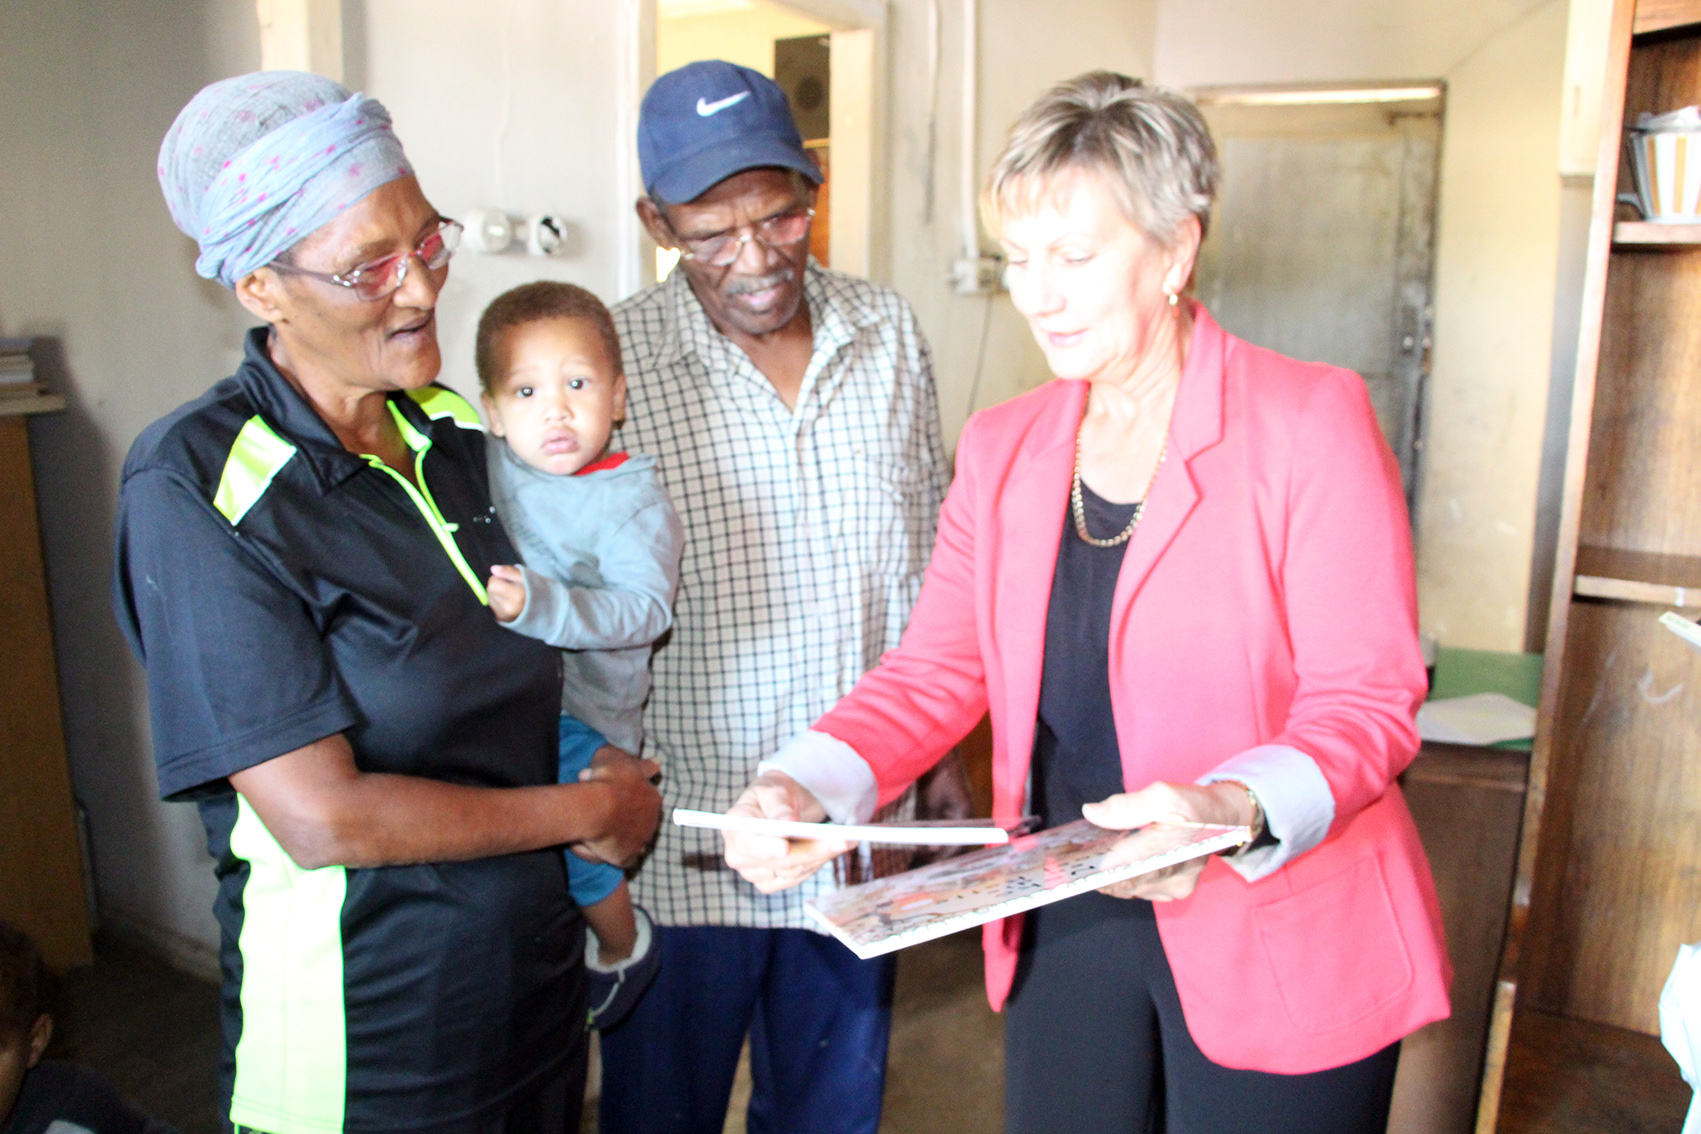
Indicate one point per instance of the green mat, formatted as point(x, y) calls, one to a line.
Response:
point(1459, 673)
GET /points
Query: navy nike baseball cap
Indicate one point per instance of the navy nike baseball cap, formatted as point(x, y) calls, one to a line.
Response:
point(703, 123)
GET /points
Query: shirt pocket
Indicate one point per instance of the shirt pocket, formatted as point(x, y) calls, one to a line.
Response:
point(1336, 949)
point(904, 525)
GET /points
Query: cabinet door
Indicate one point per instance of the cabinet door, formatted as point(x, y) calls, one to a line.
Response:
point(41, 877)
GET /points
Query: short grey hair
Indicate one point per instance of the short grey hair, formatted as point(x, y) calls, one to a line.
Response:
point(1151, 145)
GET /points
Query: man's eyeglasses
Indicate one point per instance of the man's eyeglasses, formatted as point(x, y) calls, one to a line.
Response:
point(723, 248)
point(383, 277)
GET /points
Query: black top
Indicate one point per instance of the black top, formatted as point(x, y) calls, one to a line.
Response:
point(280, 589)
point(68, 1099)
point(1076, 755)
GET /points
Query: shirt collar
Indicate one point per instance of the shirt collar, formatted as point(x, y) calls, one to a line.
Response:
point(295, 420)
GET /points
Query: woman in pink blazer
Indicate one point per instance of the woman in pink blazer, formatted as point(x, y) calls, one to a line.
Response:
point(1180, 580)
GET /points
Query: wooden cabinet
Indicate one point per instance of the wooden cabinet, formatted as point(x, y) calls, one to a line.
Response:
point(1608, 881)
point(41, 877)
point(1466, 802)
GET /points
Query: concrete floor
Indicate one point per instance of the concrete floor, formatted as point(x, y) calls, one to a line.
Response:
point(149, 1028)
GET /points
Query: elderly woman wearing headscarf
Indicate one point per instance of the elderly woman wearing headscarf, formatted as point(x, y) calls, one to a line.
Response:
point(300, 556)
point(1180, 579)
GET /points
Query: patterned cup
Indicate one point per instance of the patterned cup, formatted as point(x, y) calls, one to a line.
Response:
point(1667, 164)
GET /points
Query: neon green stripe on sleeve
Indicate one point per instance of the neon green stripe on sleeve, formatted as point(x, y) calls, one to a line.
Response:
point(256, 456)
point(292, 1055)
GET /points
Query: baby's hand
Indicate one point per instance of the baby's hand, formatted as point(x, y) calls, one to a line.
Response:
point(507, 590)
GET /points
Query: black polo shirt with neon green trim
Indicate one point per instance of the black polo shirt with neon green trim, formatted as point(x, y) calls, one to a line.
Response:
point(280, 589)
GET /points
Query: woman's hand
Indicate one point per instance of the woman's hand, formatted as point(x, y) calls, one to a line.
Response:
point(1226, 803)
point(507, 590)
point(769, 863)
point(634, 810)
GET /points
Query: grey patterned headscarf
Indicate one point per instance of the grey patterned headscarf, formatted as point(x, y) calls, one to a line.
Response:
point(255, 163)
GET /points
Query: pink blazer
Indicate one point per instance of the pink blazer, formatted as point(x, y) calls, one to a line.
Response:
point(1267, 598)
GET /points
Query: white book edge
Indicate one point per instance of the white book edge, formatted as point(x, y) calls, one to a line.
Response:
point(968, 919)
point(1682, 627)
point(854, 832)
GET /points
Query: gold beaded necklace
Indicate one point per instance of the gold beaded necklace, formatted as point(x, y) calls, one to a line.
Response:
point(1079, 507)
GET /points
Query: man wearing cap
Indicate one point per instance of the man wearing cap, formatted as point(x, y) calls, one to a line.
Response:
point(793, 416)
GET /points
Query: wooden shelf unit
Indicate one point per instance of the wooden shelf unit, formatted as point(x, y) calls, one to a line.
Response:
point(1654, 16)
point(1646, 234)
point(1608, 880)
point(1637, 576)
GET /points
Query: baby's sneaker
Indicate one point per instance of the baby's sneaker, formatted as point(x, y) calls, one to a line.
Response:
point(614, 989)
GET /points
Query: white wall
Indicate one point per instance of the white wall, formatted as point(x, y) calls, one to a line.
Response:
point(1496, 257)
point(1025, 47)
point(89, 256)
point(516, 109)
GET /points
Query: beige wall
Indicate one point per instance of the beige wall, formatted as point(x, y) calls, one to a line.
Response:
point(1496, 256)
point(1496, 266)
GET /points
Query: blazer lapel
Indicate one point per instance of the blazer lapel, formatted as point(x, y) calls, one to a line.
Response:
point(1195, 425)
point(1030, 507)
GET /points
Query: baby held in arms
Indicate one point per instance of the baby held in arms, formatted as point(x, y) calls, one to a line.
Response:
point(601, 545)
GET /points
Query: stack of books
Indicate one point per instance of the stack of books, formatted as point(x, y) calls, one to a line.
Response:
point(17, 371)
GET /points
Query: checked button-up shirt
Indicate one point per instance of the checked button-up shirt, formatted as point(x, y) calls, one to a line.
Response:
point(806, 535)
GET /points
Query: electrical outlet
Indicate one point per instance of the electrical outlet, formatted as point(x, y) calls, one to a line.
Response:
point(976, 277)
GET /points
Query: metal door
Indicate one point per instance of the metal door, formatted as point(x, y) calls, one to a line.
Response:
point(1322, 245)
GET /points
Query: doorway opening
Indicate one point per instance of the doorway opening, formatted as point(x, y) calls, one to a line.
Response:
point(1323, 241)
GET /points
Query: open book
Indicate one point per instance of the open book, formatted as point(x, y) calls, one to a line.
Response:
point(1033, 870)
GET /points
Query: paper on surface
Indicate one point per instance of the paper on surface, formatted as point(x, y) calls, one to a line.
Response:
point(1682, 627)
point(1680, 1024)
point(917, 835)
point(1034, 870)
point(1481, 718)
point(1688, 118)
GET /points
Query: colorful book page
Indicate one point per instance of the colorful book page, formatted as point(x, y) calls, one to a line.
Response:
point(1034, 870)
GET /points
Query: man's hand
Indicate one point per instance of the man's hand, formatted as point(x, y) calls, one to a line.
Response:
point(507, 591)
point(634, 806)
point(1224, 803)
point(771, 863)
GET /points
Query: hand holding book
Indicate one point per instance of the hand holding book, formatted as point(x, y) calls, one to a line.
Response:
point(768, 862)
point(1227, 803)
point(773, 862)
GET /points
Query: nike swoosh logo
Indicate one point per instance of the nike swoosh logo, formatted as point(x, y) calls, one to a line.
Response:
point(706, 108)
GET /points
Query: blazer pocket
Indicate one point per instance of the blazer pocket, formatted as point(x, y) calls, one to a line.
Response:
point(1336, 948)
